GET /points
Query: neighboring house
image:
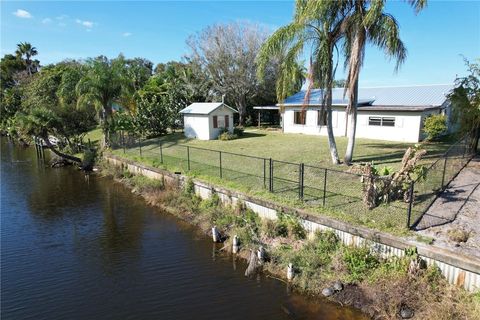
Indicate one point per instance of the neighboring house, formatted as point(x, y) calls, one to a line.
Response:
point(384, 113)
point(206, 120)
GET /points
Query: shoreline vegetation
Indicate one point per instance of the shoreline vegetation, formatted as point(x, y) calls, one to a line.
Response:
point(380, 288)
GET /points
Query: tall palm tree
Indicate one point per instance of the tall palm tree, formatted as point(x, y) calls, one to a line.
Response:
point(367, 22)
point(318, 26)
point(26, 51)
point(100, 87)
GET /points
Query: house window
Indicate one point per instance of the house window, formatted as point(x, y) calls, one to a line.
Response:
point(299, 117)
point(322, 117)
point(381, 121)
point(215, 122)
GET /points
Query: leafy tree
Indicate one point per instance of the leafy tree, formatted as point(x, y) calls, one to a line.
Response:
point(434, 126)
point(465, 100)
point(26, 51)
point(226, 53)
point(53, 89)
point(317, 25)
point(368, 22)
point(9, 66)
point(100, 87)
point(41, 122)
point(135, 74)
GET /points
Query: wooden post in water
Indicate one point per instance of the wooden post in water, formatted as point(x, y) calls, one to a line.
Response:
point(215, 234)
point(290, 272)
point(261, 255)
point(235, 245)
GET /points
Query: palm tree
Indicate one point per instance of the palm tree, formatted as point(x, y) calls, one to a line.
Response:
point(319, 25)
point(27, 51)
point(100, 87)
point(367, 22)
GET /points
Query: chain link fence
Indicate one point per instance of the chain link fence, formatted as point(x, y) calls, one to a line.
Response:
point(315, 186)
point(439, 175)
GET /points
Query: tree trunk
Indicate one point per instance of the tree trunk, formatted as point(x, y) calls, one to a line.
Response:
point(242, 106)
point(352, 125)
point(60, 154)
point(331, 138)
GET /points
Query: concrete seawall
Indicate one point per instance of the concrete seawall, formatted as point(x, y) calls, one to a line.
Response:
point(458, 270)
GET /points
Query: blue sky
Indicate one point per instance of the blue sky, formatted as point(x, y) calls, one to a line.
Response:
point(157, 30)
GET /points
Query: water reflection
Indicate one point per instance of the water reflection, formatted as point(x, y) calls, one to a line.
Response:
point(76, 249)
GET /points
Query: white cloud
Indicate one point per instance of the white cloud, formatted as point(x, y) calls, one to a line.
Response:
point(47, 21)
point(126, 34)
point(87, 24)
point(23, 14)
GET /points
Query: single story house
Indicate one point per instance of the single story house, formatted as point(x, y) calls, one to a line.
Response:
point(384, 113)
point(206, 120)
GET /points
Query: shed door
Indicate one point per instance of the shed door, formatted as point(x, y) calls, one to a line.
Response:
point(215, 122)
point(227, 124)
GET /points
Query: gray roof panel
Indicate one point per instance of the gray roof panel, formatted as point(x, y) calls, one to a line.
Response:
point(427, 95)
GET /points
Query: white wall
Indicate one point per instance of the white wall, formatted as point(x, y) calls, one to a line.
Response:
point(220, 113)
point(407, 124)
point(406, 129)
point(311, 120)
point(196, 126)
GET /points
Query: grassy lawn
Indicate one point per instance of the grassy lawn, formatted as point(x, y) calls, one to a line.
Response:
point(340, 190)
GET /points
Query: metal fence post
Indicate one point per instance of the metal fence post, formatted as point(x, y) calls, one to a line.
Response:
point(220, 162)
point(271, 176)
point(444, 168)
point(140, 146)
point(161, 151)
point(188, 158)
point(264, 173)
point(325, 188)
point(410, 204)
point(301, 169)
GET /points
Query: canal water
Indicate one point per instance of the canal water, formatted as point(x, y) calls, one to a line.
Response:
point(77, 249)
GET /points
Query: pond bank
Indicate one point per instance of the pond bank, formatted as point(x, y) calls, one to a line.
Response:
point(379, 287)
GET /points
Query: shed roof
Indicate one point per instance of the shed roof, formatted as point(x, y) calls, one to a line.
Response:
point(422, 97)
point(204, 107)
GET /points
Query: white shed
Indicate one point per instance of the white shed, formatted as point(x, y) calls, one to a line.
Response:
point(205, 120)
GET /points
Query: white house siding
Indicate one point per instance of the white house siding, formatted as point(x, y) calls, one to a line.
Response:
point(407, 124)
point(220, 113)
point(311, 120)
point(196, 126)
point(406, 129)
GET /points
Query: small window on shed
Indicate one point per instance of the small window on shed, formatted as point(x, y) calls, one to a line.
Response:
point(299, 117)
point(322, 117)
point(388, 122)
point(374, 121)
point(215, 122)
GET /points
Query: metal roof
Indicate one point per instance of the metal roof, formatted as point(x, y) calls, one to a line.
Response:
point(204, 107)
point(418, 96)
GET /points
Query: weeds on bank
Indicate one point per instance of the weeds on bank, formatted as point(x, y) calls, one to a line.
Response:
point(382, 285)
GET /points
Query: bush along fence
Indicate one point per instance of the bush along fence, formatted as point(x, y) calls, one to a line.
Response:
point(340, 191)
point(439, 175)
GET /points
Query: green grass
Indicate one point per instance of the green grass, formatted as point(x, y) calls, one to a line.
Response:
point(343, 195)
point(95, 136)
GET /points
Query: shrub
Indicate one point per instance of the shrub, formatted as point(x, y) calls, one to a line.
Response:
point(434, 126)
point(359, 262)
point(289, 226)
point(227, 136)
point(239, 130)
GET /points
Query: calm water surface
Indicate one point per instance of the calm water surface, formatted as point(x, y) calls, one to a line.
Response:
point(72, 249)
